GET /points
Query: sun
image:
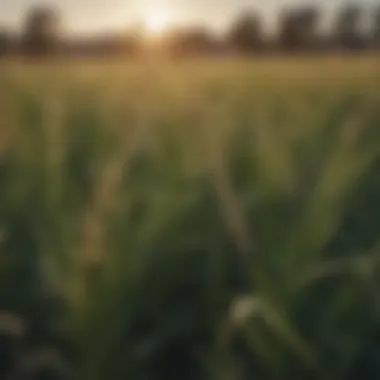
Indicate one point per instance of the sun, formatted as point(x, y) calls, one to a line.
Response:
point(156, 22)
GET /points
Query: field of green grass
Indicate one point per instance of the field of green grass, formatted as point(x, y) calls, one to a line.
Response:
point(190, 220)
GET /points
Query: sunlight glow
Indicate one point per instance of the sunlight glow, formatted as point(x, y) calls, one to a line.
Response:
point(156, 22)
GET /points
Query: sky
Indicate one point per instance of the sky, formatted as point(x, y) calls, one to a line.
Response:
point(87, 16)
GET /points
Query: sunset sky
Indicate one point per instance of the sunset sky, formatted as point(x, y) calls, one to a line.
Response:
point(98, 15)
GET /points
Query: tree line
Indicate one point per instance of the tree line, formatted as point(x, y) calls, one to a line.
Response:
point(298, 30)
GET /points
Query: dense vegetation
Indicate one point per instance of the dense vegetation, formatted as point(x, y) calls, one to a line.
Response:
point(205, 220)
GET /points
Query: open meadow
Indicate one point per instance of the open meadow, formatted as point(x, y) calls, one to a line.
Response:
point(189, 220)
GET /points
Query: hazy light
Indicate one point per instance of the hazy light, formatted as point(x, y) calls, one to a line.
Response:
point(156, 21)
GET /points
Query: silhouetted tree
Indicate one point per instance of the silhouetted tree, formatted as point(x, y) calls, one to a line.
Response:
point(41, 32)
point(347, 35)
point(298, 30)
point(377, 28)
point(246, 35)
point(5, 43)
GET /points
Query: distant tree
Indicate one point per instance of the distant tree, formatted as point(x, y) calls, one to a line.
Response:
point(287, 38)
point(192, 41)
point(41, 32)
point(298, 30)
point(347, 34)
point(377, 28)
point(246, 34)
point(5, 43)
point(132, 44)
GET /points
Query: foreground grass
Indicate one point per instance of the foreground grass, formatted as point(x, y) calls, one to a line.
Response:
point(192, 220)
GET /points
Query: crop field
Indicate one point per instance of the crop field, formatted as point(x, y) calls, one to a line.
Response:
point(189, 220)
